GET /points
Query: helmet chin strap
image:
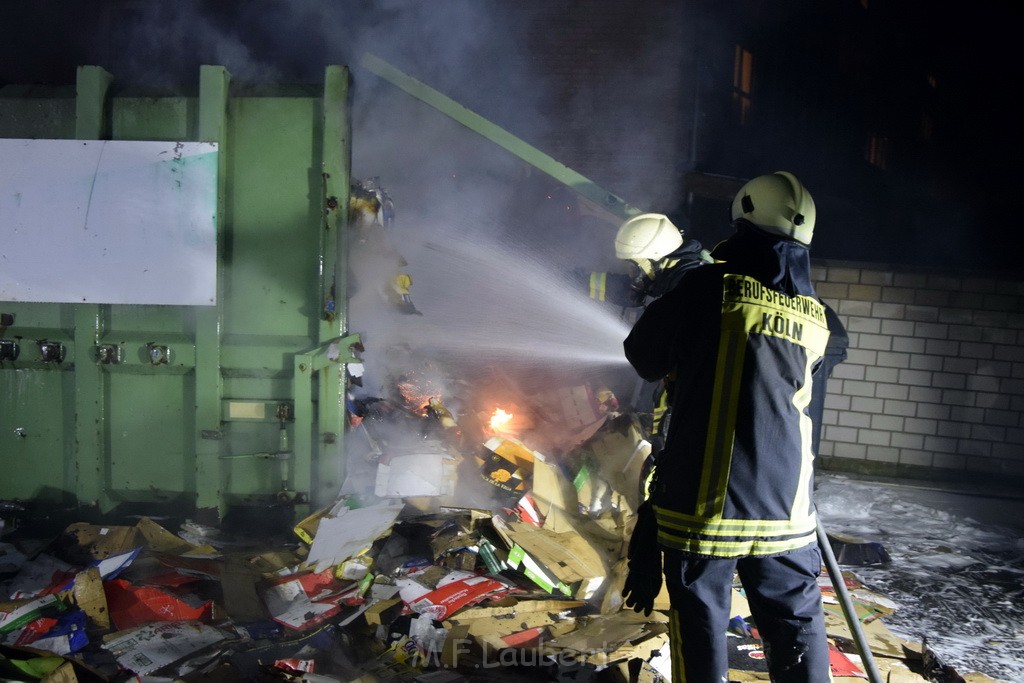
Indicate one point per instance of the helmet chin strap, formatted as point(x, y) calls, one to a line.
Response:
point(661, 265)
point(648, 267)
point(640, 280)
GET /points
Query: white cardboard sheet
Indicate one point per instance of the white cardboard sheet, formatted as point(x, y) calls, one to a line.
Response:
point(108, 221)
point(348, 533)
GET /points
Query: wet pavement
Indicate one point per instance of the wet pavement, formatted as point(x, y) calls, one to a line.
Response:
point(956, 570)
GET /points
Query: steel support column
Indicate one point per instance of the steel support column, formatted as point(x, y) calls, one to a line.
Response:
point(214, 82)
point(326, 454)
point(89, 449)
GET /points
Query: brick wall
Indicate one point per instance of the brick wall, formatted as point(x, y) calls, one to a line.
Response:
point(933, 386)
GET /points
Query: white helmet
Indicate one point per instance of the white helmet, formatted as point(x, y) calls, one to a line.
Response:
point(649, 236)
point(777, 203)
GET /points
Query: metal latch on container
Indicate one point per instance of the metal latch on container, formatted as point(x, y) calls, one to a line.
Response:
point(9, 350)
point(108, 354)
point(158, 355)
point(51, 351)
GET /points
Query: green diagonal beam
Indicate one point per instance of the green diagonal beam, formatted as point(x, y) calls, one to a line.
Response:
point(498, 135)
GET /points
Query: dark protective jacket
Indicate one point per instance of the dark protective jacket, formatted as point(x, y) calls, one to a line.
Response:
point(743, 336)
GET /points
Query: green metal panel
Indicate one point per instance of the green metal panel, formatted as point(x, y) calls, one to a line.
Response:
point(35, 435)
point(136, 118)
point(271, 271)
point(36, 431)
point(148, 446)
point(145, 404)
point(92, 85)
point(216, 419)
point(274, 233)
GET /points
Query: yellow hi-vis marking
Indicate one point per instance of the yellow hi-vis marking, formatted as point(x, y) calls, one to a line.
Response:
point(722, 425)
point(676, 649)
point(750, 306)
point(802, 497)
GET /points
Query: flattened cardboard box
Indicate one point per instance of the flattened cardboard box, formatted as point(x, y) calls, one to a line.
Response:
point(531, 638)
point(383, 612)
point(450, 597)
point(502, 621)
point(519, 607)
point(507, 465)
point(880, 639)
point(302, 601)
point(160, 540)
point(492, 633)
point(565, 562)
point(609, 638)
point(552, 489)
point(145, 649)
point(349, 532)
point(90, 597)
point(417, 474)
point(84, 542)
point(618, 458)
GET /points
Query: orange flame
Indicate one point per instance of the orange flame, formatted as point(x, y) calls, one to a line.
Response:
point(501, 420)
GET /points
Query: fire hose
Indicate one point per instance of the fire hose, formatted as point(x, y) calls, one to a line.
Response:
point(867, 659)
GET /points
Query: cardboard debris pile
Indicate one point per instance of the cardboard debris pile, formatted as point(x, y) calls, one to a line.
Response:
point(404, 584)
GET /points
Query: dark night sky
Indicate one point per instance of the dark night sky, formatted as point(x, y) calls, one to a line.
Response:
point(479, 54)
point(974, 50)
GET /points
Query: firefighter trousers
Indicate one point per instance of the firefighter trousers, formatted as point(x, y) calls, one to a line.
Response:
point(785, 602)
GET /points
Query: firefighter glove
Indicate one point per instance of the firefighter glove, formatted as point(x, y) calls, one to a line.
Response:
point(640, 590)
point(643, 581)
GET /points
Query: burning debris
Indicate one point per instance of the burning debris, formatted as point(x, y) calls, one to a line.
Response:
point(469, 554)
point(480, 533)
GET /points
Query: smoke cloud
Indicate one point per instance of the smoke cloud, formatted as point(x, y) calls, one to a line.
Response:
point(491, 243)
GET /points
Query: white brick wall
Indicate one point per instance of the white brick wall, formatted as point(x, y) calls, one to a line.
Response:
point(934, 381)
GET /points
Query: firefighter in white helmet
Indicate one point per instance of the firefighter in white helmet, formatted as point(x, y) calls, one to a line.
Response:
point(658, 255)
point(777, 204)
point(733, 490)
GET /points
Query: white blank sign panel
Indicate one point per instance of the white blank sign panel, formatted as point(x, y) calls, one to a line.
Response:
point(108, 221)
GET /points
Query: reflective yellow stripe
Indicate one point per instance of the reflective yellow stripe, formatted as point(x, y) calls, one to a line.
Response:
point(659, 414)
point(801, 399)
point(598, 282)
point(676, 649)
point(721, 425)
point(717, 526)
point(703, 546)
point(659, 411)
point(647, 484)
